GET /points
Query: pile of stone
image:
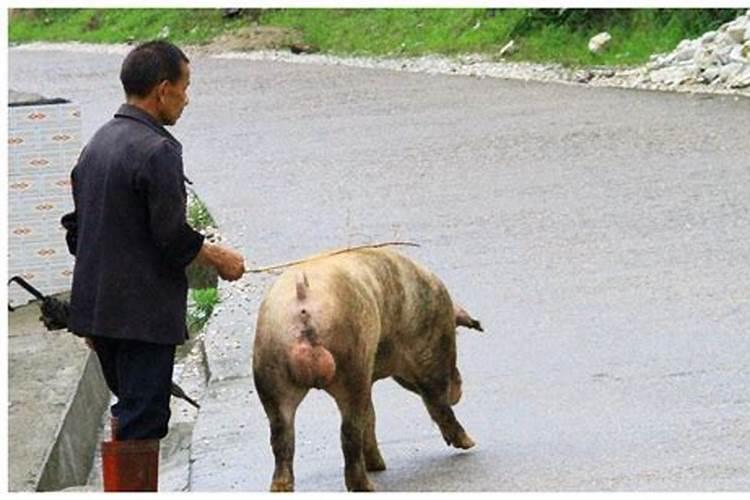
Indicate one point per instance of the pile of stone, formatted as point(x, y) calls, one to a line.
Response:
point(719, 59)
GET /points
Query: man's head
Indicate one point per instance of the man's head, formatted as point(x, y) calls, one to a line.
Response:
point(155, 76)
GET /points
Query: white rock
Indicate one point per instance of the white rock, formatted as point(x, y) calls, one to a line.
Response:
point(705, 58)
point(508, 49)
point(729, 71)
point(685, 51)
point(723, 40)
point(737, 54)
point(710, 74)
point(666, 59)
point(598, 43)
point(737, 33)
point(658, 61)
point(723, 54)
point(675, 75)
point(708, 37)
point(741, 79)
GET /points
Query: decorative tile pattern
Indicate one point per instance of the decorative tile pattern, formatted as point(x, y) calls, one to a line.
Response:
point(44, 142)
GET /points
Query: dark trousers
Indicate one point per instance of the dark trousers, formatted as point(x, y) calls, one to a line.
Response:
point(140, 375)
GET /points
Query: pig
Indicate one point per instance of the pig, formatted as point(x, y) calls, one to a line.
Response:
point(339, 323)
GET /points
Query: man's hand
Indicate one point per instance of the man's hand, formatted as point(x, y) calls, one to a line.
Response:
point(228, 263)
point(231, 265)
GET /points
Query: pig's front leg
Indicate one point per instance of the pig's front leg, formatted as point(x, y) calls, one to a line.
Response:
point(373, 459)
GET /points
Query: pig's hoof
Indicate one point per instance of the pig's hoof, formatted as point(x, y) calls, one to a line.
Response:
point(282, 485)
point(363, 484)
point(374, 462)
point(463, 441)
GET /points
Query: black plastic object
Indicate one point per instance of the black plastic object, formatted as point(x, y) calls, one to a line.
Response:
point(54, 311)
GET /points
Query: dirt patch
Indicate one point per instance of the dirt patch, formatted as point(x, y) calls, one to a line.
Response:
point(253, 38)
point(23, 14)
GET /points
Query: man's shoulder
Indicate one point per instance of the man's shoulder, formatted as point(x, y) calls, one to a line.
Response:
point(123, 134)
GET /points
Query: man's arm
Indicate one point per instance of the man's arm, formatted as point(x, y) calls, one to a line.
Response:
point(162, 181)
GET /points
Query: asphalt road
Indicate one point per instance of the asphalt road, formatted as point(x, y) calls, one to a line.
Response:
point(602, 236)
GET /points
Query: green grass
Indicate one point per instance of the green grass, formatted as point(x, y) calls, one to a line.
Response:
point(387, 31)
point(542, 35)
point(186, 26)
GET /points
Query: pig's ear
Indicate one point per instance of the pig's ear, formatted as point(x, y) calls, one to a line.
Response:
point(463, 319)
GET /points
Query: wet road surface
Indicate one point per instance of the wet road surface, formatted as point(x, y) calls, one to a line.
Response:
point(602, 237)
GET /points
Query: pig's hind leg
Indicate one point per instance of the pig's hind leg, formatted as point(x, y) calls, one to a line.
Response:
point(280, 401)
point(353, 400)
point(442, 413)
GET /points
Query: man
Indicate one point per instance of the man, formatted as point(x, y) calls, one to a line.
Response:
point(132, 245)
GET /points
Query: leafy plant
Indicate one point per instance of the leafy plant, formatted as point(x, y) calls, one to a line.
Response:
point(203, 301)
point(198, 215)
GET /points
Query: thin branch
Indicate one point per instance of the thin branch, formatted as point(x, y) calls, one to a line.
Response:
point(329, 254)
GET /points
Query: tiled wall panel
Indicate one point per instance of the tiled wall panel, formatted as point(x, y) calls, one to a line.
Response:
point(44, 142)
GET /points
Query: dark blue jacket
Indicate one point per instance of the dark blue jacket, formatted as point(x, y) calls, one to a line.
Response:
point(129, 234)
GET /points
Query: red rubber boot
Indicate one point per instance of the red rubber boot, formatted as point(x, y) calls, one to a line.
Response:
point(131, 465)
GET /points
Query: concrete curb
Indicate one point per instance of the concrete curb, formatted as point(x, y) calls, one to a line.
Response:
point(69, 459)
point(57, 396)
point(230, 421)
point(58, 411)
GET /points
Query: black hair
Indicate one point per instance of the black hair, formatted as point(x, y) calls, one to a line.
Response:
point(148, 65)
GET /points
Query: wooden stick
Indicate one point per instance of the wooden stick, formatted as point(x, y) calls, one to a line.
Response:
point(329, 254)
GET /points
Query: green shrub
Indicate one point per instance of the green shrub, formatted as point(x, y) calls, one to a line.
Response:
point(201, 307)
